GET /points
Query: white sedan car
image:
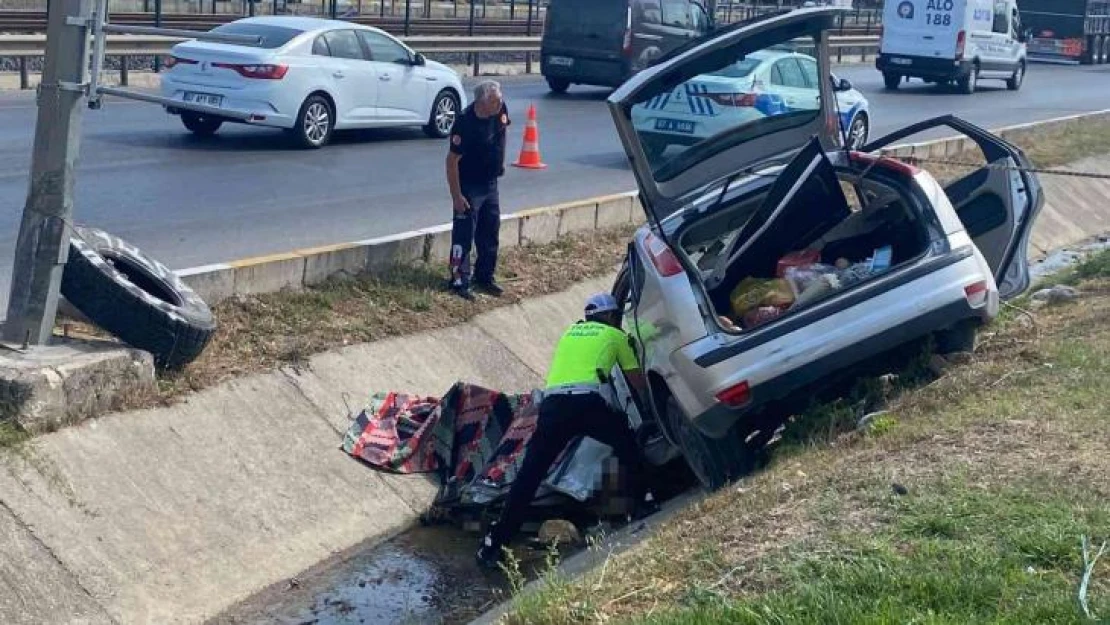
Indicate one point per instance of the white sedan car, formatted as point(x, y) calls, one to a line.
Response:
point(310, 77)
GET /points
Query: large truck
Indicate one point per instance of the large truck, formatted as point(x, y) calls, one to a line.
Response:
point(1067, 30)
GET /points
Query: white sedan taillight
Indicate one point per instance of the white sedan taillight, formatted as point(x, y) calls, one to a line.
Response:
point(261, 72)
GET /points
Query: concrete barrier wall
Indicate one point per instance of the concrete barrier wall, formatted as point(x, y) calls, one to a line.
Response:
point(307, 267)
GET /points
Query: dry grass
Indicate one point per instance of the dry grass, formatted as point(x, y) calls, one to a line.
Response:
point(1004, 462)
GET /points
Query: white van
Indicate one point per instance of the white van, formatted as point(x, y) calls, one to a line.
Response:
point(943, 41)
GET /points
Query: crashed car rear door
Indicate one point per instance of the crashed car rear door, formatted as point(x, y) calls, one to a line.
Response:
point(724, 130)
point(997, 202)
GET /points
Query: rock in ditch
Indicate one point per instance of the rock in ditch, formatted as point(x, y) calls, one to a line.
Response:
point(559, 532)
point(1056, 295)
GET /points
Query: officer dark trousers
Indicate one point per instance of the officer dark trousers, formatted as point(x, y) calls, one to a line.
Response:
point(480, 227)
point(561, 419)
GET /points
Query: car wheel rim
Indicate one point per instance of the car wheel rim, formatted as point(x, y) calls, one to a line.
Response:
point(1020, 76)
point(858, 134)
point(317, 121)
point(445, 115)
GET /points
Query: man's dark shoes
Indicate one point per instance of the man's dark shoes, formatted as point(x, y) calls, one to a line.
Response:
point(490, 288)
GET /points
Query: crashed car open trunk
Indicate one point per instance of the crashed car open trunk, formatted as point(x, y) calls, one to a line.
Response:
point(814, 231)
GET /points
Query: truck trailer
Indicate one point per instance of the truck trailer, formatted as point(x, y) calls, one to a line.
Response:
point(1076, 31)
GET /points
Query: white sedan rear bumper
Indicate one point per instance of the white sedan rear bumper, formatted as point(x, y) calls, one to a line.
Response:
point(262, 105)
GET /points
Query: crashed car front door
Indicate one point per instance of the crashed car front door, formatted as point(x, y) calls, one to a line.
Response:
point(997, 203)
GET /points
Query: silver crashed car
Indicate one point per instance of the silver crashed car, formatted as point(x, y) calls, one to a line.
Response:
point(775, 259)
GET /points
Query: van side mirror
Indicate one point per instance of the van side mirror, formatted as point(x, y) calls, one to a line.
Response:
point(419, 60)
point(842, 84)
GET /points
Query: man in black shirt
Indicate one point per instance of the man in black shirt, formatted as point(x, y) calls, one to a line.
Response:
point(474, 163)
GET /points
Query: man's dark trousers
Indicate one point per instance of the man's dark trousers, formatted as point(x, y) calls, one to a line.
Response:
point(480, 227)
point(562, 418)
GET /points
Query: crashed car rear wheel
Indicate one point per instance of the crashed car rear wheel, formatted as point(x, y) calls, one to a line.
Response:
point(136, 298)
point(713, 461)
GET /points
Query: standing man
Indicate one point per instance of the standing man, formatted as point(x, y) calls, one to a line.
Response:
point(573, 406)
point(474, 163)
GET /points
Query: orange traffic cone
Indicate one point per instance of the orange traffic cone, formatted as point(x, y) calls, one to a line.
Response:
point(530, 151)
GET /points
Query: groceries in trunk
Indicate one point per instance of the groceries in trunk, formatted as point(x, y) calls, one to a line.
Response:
point(800, 280)
point(813, 233)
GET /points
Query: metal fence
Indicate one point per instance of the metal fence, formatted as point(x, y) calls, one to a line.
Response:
point(405, 17)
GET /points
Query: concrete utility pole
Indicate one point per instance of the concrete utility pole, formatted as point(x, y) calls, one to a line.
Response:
point(43, 242)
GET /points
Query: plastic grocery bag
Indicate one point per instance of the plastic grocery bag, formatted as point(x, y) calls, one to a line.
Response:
point(801, 278)
point(752, 293)
point(796, 259)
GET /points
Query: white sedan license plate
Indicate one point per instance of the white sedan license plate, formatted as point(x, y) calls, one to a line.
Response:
point(206, 99)
point(561, 61)
point(901, 61)
point(675, 125)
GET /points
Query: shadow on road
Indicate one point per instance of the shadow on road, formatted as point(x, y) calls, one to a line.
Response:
point(574, 95)
point(248, 139)
point(608, 160)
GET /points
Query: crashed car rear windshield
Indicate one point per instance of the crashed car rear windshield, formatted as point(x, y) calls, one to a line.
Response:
point(271, 36)
point(736, 96)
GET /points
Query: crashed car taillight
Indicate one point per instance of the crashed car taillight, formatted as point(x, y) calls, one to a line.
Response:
point(976, 294)
point(666, 263)
point(736, 396)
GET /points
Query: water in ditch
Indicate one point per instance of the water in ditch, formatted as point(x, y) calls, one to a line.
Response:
point(425, 576)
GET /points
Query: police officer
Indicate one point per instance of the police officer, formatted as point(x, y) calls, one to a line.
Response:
point(474, 163)
point(573, 406)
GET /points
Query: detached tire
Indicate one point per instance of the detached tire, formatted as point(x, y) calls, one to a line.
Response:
point(136, 298)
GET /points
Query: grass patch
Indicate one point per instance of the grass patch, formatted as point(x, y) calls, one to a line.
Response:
point(965, 502)
point(1093, 267)
point(11, 434)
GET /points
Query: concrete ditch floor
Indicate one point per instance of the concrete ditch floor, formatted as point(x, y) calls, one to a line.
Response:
point(173, 515)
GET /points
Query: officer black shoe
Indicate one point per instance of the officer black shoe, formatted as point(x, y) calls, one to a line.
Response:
point(490, 288)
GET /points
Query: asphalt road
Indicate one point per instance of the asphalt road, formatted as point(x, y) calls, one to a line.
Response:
point(191, 201)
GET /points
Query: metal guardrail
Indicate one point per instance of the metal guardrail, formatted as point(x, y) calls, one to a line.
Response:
point(24, 47)
point(857, 23)
point(132, 45)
